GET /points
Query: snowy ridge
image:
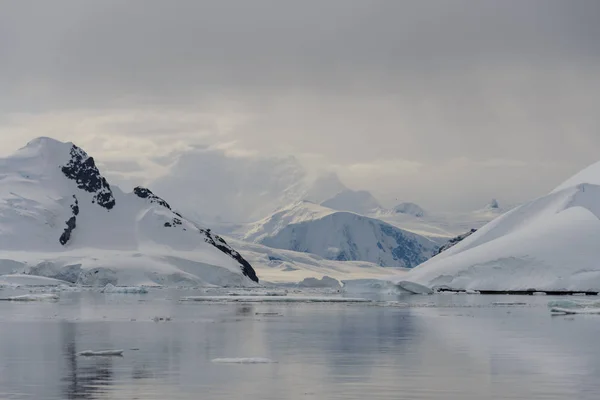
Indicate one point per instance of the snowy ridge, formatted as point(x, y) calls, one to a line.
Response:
point(60, 218)
point(342, 236)
point(550, 243)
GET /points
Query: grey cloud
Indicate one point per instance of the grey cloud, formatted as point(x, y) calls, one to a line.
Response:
point(378, 83)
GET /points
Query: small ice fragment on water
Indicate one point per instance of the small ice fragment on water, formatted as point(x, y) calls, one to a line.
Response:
point(584, 310)
point(501, 303)
point(251, 360)
point(101, 353)
point(34, 297)
point(471, 291)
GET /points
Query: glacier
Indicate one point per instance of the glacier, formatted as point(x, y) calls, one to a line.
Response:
point(549, 243)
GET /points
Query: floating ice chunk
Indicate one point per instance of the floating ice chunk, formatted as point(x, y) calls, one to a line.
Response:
point(470, 291)
point(584, 310)
point(110, 288)
point(101, 353)
point(250, 360)
point(33, 297)
point(414, 288)
point(275, 299)
point(508, 303)
point(573, 304)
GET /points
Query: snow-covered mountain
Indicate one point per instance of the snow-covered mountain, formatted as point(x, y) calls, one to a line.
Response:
point(550, 243)
point(410, 209)
point(340, 235)
point(356, 201)
point(440, 227)
point(60, 218)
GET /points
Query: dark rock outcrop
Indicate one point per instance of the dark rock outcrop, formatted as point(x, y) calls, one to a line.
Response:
point(454, 241)
point(214, 240)
point(145, 193)
point(66, 235)
point(71, 223)
point(222, 245)
point(82, 169)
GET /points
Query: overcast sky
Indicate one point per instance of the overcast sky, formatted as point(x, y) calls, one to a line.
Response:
point(446, 103)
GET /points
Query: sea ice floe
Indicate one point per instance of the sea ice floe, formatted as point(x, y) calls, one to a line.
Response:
point(101, 353)
point(33, 297)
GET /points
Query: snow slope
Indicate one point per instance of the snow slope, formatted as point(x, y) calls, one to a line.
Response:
point(342, 236)
point(550, 243)
point(60, 218)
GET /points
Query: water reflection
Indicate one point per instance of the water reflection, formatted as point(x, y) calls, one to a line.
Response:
point(460, 349)
point(84, 377)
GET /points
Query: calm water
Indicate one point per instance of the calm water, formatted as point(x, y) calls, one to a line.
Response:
point(445, 347)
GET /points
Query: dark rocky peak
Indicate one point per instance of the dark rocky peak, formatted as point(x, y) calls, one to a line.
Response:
point(493, 205)
point(145, 193)
point(82, 169)
point(222, 245)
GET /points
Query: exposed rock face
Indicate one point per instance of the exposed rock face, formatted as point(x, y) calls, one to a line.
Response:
point(456, 240)
point(222, 245)
point(71, 223)
point(145, 193)
point(82, 169)
point(209, 238)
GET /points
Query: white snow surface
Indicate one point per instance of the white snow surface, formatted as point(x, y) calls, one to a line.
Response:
point(550, 243)
point(339, 235)
point(128, 244)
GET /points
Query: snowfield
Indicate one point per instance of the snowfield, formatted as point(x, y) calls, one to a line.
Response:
point(61, 219)
point(550, 243)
